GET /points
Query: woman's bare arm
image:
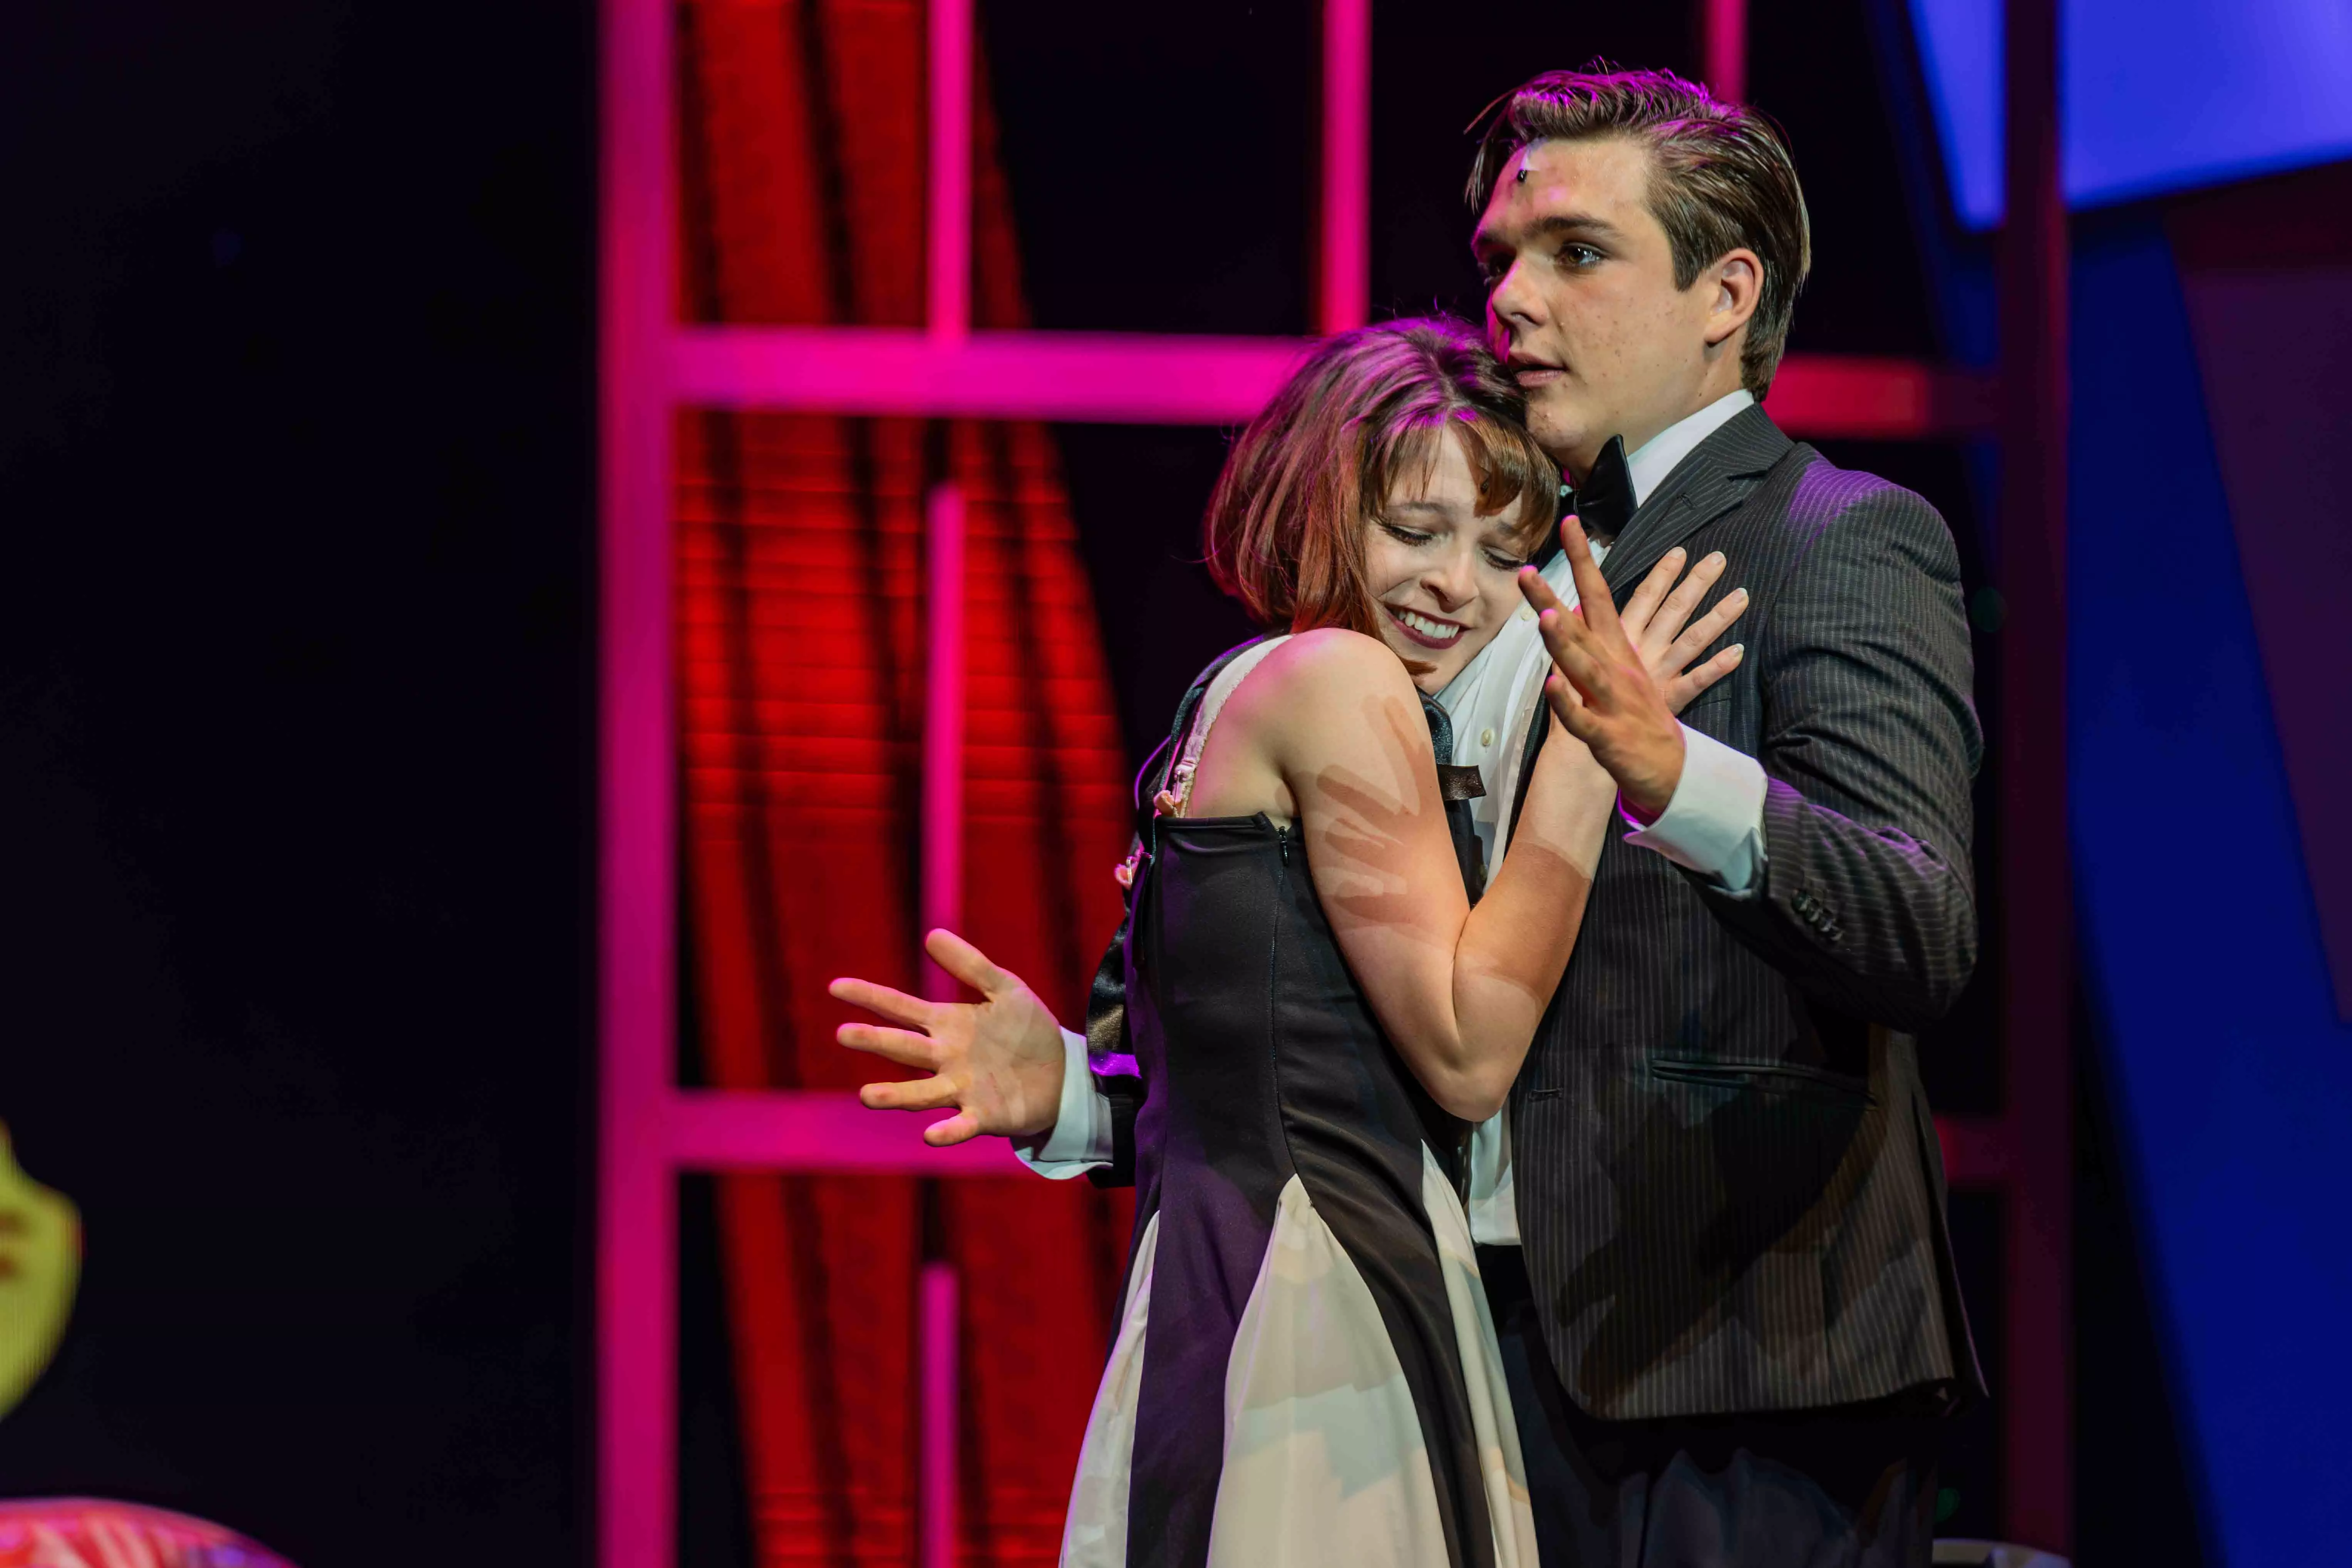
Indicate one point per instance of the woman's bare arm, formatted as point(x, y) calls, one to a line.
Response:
point(1329, 732)
point(1459, 990)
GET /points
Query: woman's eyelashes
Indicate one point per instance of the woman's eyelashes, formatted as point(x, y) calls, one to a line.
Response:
point(1421, 537)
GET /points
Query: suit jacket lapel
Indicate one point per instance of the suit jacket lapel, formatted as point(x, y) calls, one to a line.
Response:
point(1714, 478)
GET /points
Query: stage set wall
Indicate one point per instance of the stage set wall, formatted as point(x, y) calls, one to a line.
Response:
point(296, 731)
point(2208, 705)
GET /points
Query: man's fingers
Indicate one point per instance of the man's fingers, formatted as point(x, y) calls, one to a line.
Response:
point(1642, 607)
point(961, 1128)
point(896, 1006)
point(1683, 688)
point(1684, 599)
point(915, 1094)
point(1704, 631)
point(908, 1050)
point(965, 961)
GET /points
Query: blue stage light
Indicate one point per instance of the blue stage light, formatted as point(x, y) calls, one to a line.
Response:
point(2158, 96)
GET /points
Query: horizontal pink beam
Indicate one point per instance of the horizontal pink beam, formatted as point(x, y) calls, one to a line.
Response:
point(1890, 399)
point(784, 1131)
point(830, 1130)
point(1113, 378)
point(1979, 1152)
point(1140, 379)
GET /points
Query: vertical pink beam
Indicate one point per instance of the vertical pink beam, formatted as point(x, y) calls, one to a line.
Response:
point(948, 312)
point(1723, 45)
point(1343, 295)
point(2038, 934)
point(937, 1322)
point(635, 1247)
point(948, 220)
point(944, 705)
point(949, 227)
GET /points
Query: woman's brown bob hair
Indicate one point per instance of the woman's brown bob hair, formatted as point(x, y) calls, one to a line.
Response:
point(1285, 532)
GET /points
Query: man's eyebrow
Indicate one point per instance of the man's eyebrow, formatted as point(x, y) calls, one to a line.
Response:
point(1559, 225)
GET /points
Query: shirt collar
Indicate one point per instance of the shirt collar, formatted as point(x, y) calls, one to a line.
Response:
point(1648, 469)
point(1658, 456)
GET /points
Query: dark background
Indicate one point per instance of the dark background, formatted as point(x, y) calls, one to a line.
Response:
point(295, 704)
point(295, 474)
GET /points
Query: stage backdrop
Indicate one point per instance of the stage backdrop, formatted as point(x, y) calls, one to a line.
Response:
point(799, 665)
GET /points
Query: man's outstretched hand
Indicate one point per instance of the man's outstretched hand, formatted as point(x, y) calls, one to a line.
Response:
point(1622, 680)
point(998, 1061)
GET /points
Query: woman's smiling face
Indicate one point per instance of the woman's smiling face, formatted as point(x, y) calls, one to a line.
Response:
point(1445, 578)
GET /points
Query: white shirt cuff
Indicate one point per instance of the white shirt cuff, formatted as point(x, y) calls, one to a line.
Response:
point(1081, 1137)
point(1715, 823)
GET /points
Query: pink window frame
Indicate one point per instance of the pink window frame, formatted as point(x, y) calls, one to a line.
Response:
point(650, 1131)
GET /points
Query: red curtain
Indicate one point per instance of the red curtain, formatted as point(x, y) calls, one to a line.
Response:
point(801, 666)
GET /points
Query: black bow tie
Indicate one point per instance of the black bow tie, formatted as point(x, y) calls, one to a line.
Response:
point(1604, 504)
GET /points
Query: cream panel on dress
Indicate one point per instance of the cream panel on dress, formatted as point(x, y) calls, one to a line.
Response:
point(1325, 1463)
point(1094, 1533)
point(1500, 1466)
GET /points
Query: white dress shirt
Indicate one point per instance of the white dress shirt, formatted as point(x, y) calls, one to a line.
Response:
point(1713, 825)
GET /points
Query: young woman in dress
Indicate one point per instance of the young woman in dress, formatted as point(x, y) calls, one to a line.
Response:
point(1305, 1371)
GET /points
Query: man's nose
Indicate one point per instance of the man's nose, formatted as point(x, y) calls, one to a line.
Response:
point(1512, 304)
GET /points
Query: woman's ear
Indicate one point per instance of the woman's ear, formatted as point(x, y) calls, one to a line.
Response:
point(1737, 279)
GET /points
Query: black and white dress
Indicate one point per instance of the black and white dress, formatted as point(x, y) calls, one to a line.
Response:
point(1305, 1371)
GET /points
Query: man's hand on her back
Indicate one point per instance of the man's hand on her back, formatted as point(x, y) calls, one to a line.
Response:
point(998, 1061)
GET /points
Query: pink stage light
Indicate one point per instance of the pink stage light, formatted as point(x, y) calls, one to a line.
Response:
point(1723, 46)
point(1343, 297)
point(943, 706)
point(937, 1322)
point(1123, 379)
point(948, 215)
point(784, 1129)
point(1085, 376)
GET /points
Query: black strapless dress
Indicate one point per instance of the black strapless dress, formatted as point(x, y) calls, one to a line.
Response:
point(1305, 1371)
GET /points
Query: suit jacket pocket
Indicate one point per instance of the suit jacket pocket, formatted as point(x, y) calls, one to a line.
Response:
point(1715, 714)
point(1764, 1077)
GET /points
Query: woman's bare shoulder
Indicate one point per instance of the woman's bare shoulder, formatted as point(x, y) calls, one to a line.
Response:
point(1332, 662)
point(1323, 689)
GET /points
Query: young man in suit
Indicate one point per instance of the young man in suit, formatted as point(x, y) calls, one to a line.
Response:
point(1712, 1218)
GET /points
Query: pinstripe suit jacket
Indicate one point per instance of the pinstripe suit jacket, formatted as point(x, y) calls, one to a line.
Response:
point(1729, 1191)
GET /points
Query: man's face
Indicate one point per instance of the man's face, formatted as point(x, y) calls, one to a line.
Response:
point(1581, 302)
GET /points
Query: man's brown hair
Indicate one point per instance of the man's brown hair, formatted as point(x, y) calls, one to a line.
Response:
point(1721, 178)
point(1284, 530)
